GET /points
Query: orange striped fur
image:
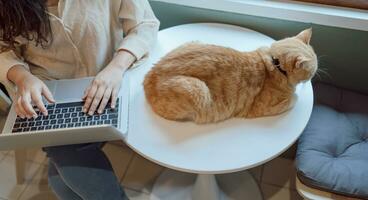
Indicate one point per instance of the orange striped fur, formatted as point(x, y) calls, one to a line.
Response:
point(207, 83)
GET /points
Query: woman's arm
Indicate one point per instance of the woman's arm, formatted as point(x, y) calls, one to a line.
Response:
point(16, 73)
point(9, 59)
point(140, 27)
point(23, 87)
point(20, 83)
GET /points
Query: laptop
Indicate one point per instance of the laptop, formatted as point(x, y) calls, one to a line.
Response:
point(66, 123)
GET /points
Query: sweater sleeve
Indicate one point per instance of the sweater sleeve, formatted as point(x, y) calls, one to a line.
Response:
point(8, 59)
point(140, 27)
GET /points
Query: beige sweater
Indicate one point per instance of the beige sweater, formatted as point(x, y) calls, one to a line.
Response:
point(86, 34)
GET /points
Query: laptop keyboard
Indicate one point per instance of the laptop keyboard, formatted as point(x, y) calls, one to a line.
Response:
point(66, 115)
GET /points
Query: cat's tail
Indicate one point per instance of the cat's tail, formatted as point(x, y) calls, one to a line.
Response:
point(178, 97)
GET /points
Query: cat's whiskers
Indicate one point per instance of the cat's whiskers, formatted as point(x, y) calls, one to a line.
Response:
point(321, 56)
point(321, 71)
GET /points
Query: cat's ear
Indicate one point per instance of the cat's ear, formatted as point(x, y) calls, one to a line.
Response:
point(300, 60)
point(305, 36)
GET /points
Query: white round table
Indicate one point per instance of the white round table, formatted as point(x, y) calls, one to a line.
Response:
point(194, 153)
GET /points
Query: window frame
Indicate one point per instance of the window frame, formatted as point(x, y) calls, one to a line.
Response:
point(289, 10)
point(359, 4)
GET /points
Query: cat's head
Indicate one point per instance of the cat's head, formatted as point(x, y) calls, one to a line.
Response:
point(294, 57)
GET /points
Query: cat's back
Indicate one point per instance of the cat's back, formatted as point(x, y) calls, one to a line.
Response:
point(196, 57)
point(198, 51)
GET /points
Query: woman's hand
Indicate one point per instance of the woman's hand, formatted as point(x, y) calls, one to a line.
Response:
point(29, 89)
point(106, 84)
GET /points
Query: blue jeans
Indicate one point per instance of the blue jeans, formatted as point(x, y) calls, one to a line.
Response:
point(82, 171)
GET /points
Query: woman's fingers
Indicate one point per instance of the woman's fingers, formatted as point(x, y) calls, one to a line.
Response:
point(104, 100)
point(85, 93)
point(22, 113)
point(27, 106)
point(90, 97)
point(30, 90)
point(97, 99)
point(37, 99)
point(47, 94)
point(18, 111)
point(114, 97)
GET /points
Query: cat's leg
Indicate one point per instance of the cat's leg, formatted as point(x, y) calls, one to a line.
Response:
point(271, 110)
point(180, 98)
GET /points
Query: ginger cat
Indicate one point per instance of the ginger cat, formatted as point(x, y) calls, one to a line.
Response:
point(208, 83)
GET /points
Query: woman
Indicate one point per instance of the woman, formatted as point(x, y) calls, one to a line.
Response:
point(43, 40)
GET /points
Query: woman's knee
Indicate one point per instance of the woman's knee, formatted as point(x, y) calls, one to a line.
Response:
point(73, 149)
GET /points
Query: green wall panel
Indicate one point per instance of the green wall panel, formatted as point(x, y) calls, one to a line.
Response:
point(342, 52)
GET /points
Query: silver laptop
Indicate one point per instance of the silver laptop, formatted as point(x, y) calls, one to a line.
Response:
point(66, 123)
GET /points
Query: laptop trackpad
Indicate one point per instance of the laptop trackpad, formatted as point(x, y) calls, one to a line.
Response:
point(70, 90)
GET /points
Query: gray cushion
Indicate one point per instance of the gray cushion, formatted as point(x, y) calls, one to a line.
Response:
point(333, 149)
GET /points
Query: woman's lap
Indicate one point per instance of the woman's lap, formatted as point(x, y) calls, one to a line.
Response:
point(85, 169)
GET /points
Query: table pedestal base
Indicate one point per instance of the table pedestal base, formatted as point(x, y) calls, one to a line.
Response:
point(183, 186)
